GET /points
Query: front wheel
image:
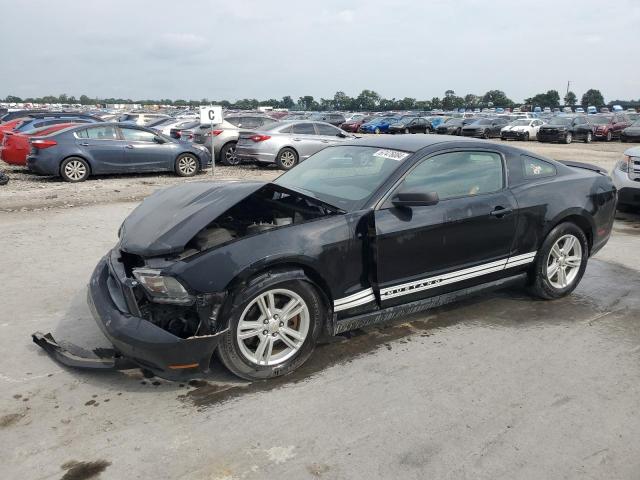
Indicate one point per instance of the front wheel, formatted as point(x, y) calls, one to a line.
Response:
point(377, 131)
point(406, 130)
point(486, 134)
point(609, 136)
point(287, 159)
point(274, 328)
point(568, 138)
point(588, 138)
point(186, 165)
point(74, 169)
point(526, 137)
point(560, 262)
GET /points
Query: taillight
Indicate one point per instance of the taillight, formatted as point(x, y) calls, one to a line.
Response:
point(215, 133)
point(43, 143)
point(191, 136)
point(259, 138)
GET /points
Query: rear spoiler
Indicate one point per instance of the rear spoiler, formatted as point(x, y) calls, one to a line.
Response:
point(586, 166)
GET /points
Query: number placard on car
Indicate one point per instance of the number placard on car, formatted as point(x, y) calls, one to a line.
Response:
point(391, 154)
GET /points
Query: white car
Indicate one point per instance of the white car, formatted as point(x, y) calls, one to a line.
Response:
point(521, 129)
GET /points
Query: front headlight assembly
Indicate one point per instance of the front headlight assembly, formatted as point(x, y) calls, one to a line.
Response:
point(162, 289)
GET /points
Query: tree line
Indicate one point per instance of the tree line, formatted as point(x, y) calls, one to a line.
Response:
point(367, 100)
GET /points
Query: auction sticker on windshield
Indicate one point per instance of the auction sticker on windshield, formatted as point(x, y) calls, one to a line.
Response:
point(391, 154)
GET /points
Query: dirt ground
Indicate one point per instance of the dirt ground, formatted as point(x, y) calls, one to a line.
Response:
point(26, 191)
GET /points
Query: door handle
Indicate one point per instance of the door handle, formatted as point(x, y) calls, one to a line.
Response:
point(84, 144)
point(128, 146)
point(324, 141)
point(500, 212)
point(297, 139)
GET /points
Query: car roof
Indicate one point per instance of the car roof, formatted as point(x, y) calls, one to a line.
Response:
point(407, 143)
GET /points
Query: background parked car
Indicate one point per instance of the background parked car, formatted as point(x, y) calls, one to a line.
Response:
point(225, 135)
point(522, 129)
point(436, 121)
point(44, 121)
point(353, 125)
point(631, 133)
point(15, 145)
point(608, 127)
point(335, 119)
point(378, 125)
point(78, 152)
point(287, 143)
point(484, 128)
point(565, 129)
point(141, 119)
point(626, 178)
point(410, 125)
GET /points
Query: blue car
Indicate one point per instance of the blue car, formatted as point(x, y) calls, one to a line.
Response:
point(77, 152)
point(436, 121)
point(37, 121)
point(379, 125)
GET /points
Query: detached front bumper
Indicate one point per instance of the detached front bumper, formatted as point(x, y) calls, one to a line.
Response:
point(136, 340)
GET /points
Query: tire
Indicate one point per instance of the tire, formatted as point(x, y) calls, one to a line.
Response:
point(406, 130)
point(547, 284)
point(187, 165)
point(588, 138)
point(486, 134)
point(246, 357)
point(75, 169)
point(568, 138)
point(228, 154)
point(287, 158)
point(526, 137)
point(609, 136)
point(377, 131)
point(458, 132)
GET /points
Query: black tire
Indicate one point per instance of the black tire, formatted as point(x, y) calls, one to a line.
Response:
point(609, 136)
point(74, 169)
point(568, 138)
point(486, 134)
point(229, 350)
point(588, 138)
point(526, 137)
point(228, 154)
point(287, 158)
point(187, 165)
point(458, 132)
point(540, 284)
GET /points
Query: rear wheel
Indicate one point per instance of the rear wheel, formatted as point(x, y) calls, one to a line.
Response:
point(74, 169)
point(560, 262)
point(609, 136)
point(186, 165)
point(377, 131)
point(274, 328)
point(526, 137)
point(406, 130)
point(228, 154)
point(287, 159)
point(588, 138)
point(486, 134)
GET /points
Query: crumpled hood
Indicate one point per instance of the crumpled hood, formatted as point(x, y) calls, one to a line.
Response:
point(165, 221)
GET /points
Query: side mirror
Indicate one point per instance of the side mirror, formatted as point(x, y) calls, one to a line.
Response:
point(158, 139)
point(414, 199)
point(341, 135)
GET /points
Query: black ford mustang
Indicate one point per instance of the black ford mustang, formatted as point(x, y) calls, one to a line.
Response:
point(357, 234)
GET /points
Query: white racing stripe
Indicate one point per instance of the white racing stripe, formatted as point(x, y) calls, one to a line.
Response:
point(365, 296)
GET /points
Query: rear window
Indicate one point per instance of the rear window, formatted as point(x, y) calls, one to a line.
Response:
point(535, 168)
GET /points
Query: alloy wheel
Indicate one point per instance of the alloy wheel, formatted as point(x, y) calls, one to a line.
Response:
point(75, 170)
point(563, 262)
point(230, 155)
point(273, 327)
point(187, 165)
point(287, 159)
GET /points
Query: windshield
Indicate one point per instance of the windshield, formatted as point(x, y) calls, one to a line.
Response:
point(482, 122)
point(561, 121)
point(344, 176)
point(601, 120)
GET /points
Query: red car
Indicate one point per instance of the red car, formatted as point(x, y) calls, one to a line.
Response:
point(353, 126)
point(10, 126)
point(609, 126)
point(15, 146)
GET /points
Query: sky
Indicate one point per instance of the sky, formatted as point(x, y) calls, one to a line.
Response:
point(262, 49)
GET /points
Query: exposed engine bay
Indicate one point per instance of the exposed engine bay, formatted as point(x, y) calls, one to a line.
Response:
point(268, 208)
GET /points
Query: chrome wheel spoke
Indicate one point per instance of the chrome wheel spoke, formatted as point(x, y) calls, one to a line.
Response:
point(552, 270)
point(562, 276)
point(555, 251)
point(573, 262)
point(262, 347)
point(287, 341)
point(290, 310)
point(290, 332)
point(568, 245)
point(262, 305)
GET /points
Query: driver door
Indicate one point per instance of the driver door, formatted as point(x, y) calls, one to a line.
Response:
point(461, 241)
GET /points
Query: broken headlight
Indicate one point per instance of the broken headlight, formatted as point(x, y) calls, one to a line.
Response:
point(162, 289)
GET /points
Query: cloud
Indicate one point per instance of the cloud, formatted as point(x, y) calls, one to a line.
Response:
point(169, 45)
point(346, 16)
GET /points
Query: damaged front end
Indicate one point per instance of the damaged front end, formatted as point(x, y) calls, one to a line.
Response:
point(140, 293)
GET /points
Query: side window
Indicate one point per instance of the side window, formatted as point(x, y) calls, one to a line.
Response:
point(82, 134)
point(326, 130)
point(101, 133)
point(457, 174)
point(134, 135)
point(534, 167)
point(304, 129)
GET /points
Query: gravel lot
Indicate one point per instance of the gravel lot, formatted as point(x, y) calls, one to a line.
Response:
point(497, 387)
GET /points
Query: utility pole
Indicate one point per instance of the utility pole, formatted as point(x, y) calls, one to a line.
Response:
point(568, 85)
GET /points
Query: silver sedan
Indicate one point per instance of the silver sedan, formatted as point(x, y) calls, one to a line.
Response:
point(287, 143)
